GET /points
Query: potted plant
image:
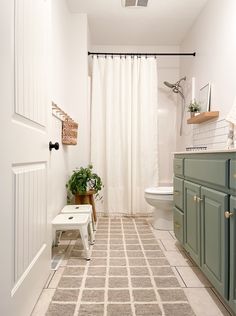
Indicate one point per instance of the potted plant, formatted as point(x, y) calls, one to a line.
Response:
point(193, 108)
point(84, 182)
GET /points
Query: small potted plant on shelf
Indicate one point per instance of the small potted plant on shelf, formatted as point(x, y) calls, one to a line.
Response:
point(82, 184)
point(194, 108)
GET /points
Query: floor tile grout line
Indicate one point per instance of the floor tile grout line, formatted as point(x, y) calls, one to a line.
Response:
point(150, 272)
point(163, 245)
point(50, 279)
point(175, 267)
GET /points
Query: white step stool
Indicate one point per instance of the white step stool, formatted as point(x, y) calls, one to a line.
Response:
point(74, 222)
point(82, 209)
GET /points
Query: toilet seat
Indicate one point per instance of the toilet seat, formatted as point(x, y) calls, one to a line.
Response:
point(160, 190)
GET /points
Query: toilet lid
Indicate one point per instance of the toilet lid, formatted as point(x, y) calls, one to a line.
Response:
point(159, 190)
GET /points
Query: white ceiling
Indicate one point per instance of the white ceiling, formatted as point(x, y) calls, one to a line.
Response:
point(163, 22)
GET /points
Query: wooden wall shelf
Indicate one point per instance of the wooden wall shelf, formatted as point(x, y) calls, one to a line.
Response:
point(203, 117)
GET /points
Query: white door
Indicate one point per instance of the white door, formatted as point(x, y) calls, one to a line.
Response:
point(24, 109)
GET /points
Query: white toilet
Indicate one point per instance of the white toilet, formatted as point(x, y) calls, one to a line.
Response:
point(161, 198)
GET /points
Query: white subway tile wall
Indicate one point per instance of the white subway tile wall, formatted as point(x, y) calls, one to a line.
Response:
point(211, 134)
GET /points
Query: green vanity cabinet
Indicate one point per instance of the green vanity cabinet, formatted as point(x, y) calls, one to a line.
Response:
point(192, 220)
point(205, 215)
point(232, 272)
point(214, 238)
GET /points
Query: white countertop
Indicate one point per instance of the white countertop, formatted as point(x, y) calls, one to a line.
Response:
point(206, 151)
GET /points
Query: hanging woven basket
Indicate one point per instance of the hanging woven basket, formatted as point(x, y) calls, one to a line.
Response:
point(69, 132)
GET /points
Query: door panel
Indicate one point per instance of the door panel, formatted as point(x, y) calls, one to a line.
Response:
point(192, 220)
point(30, 216)
point(24, 159)
point(214, 236)
point(31, 62)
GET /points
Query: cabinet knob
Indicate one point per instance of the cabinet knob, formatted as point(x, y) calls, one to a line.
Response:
point(177, 225)
point(195, 198)
point(199, 199)
point(176, 193)
point(228, 214)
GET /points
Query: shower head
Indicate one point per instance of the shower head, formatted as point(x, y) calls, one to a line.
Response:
point(174, 86)
point(169, 85)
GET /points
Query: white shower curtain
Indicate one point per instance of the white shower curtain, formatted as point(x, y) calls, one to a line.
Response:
point(124, 131)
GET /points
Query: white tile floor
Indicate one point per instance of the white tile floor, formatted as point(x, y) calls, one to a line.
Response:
point(198, 290)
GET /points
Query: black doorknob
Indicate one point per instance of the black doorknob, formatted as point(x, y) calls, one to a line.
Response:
point(53, 146)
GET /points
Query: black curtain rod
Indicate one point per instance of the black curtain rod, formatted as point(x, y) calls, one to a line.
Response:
point(144, 54)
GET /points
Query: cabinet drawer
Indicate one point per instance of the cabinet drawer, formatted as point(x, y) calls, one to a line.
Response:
point(178, 218)
point(210, 170)
point(232, 174)
point(178, 167)
point(178, 193)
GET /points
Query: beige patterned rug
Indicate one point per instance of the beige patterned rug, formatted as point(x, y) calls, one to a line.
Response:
point(128, 275)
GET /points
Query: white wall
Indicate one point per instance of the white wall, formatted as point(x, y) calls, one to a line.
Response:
point(69, 91)
point(213, 37)
point(168, 70)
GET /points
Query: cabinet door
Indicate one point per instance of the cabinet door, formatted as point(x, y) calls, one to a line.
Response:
point(214, 238)
point(192, 220)
point(178, 193)
point(232, 241)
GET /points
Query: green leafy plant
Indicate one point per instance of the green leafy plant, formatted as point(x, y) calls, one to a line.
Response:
point(83, 180)
point(194, 107)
